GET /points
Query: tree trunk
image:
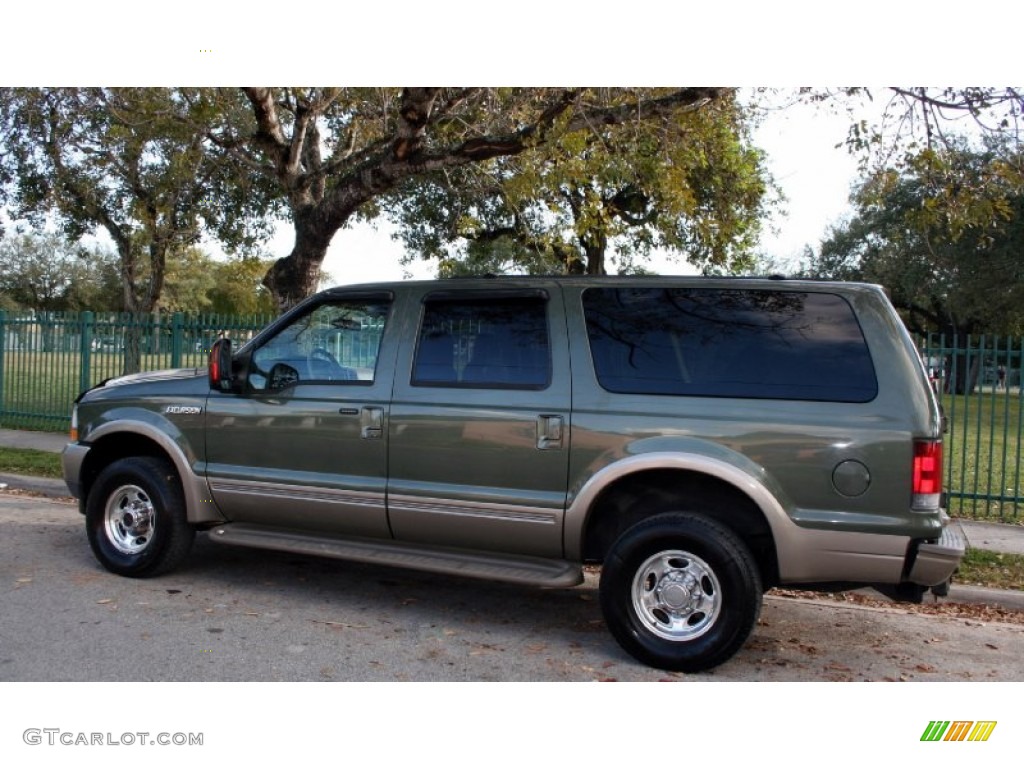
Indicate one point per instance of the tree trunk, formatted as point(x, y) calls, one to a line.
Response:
point(294, 277)
point(132, 344)
point(595, 244)
point(964, 371)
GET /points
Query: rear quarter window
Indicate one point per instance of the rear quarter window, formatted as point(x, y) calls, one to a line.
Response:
point(709, 342)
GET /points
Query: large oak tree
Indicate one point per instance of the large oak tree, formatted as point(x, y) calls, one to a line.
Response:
point(336, 153)
point(601, 198)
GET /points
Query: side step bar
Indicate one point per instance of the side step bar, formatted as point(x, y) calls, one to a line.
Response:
point(483, 565)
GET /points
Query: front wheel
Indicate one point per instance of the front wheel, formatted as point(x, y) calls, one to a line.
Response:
point(135, 517)
point(680, 592)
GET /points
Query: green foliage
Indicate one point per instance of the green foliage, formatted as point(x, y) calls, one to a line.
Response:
point(945, 234)
point(237, 288)
point(131, 161)
point(689, 183)
point(44, 272)
point(334, 154)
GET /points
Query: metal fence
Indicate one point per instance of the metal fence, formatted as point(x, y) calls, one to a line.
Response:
point(978, 379)
point(47, 358)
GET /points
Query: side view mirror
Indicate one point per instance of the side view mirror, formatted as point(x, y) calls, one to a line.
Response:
point(219, 366)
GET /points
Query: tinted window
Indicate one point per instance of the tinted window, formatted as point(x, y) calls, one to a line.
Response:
point(485, 342)
point(334, 342)
point(728, 343)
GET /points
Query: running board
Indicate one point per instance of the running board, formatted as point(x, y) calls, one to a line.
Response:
point(483, 565)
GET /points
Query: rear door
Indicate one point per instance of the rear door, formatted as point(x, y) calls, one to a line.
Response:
point(479, 423)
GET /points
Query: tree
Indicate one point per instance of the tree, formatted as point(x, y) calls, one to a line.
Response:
point(689, 183)
point(909, 234)
point(42, 272)
point(130, 161)
point(238, 288)
point(923, 133)
point(334, 153)
point(189, 280)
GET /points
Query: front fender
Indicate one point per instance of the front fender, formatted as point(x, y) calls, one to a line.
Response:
point(173, 442)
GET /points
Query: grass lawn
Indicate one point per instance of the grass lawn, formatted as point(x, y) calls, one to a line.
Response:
point(26, 461)
point(983, 455)
point(991, 569)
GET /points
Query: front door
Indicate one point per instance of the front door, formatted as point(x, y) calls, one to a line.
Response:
point(304, 445)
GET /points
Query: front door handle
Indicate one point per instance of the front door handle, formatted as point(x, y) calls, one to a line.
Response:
point(371, 422)
point(549, 432)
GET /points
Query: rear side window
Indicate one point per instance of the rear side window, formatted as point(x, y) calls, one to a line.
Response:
point(728, 343)
point(484, 342)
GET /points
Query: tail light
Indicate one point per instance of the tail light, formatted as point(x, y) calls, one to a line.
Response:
point(927, 491)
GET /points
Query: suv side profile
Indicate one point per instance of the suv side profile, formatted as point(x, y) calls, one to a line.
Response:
point(700, 439)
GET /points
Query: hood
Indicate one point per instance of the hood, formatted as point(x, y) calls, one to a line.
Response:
point(147, 376)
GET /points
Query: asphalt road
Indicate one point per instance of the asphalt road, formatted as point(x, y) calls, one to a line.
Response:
point(237, 614)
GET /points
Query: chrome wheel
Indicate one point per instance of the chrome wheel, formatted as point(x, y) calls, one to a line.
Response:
point(129, 519)
point(676, 595)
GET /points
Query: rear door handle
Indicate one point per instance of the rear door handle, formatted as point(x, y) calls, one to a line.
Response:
point(549, 432)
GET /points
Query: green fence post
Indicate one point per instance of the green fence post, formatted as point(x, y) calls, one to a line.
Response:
point(177, 330)
point(87, 319)
point(3, 346)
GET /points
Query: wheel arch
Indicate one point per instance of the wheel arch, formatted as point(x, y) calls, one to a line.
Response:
point(122, 439)
point(639, 487)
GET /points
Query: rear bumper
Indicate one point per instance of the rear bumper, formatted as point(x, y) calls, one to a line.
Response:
point(933, 564)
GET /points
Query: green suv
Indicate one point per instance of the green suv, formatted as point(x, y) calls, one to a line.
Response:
point(701, 440)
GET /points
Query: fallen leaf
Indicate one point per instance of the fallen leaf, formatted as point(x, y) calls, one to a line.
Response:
point(341, 624)
point(104, 601)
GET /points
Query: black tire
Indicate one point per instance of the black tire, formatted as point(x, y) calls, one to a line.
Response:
point(135, 518)
point(680, 592)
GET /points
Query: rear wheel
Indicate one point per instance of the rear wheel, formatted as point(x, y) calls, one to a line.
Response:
point(135, 517)
point(680, 592)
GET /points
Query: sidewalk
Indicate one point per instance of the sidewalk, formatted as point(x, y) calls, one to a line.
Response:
point(39, 441)
point(997, 537)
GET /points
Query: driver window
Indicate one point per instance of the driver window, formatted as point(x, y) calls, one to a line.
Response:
point(334, 342)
